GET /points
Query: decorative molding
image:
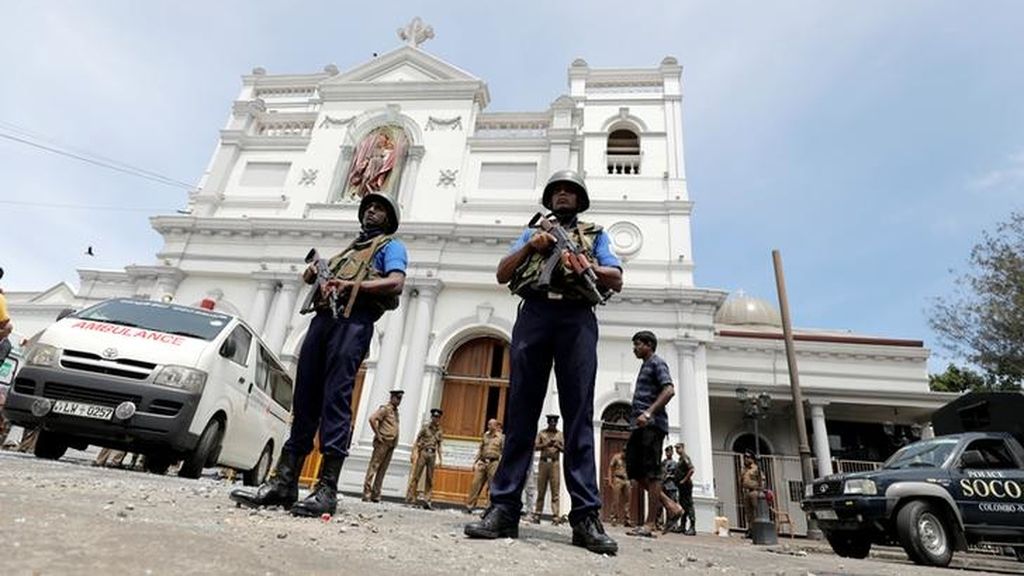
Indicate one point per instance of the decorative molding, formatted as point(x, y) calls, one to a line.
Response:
point(329, 122)
point(627, 239)
point(438, 123)
point(446, 178)
point(308, 176)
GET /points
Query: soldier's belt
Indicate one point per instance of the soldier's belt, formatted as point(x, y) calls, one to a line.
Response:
point(622, 477)
point(429, 450)
point(549, 458)
point(490, 459)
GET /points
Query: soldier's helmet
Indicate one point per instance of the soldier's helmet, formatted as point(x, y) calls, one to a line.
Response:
point(573, 179)
point(389, 206)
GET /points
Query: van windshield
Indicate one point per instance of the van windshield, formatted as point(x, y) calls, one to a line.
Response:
point(159, 317)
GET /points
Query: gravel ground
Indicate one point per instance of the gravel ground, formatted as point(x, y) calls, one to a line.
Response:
point(69, 518)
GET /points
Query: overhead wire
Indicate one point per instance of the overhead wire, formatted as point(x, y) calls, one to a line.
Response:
point(21, 135)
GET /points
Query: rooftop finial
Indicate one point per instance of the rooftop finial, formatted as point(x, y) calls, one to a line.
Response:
point(416, 32)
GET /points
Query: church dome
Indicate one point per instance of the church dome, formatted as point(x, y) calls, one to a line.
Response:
point(742, 309)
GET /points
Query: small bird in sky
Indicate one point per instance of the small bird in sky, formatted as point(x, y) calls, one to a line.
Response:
point(88, 251)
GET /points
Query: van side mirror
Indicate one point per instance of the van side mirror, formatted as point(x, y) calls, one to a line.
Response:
point(65, 313)
point(228, 348)
point(972, 460)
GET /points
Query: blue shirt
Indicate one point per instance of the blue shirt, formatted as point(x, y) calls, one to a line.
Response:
point(602, 248)
point(651, 380)
point(392, 258)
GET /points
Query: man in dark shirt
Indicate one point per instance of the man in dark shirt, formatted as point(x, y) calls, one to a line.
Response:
point(684, 483)
point(648, 428)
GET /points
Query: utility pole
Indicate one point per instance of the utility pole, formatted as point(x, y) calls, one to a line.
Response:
point(794, 383)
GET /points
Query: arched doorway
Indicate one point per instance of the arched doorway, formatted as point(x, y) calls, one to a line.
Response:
point(614, 435)
point(745, 442)
point(474, 390)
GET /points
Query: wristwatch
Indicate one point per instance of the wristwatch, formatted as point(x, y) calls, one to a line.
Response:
point(647, 415)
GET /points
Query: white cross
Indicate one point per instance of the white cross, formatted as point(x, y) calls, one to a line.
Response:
point(416, 32)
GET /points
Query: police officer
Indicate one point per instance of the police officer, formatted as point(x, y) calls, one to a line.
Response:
point(486, 462)
point(331, 355)
point(750, 482)
point(555, 325)
point(668, 486)
point(426, 452)
point(384, 422)
point(684, 483)
point(550, 444)
point(619, 481)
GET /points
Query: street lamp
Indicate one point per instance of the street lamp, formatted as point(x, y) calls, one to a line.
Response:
point(755, 407)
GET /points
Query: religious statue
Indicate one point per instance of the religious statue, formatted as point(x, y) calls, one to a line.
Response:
point(379, 155)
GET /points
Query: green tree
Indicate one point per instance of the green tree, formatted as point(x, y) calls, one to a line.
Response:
point(983, 322)
point(956, 379)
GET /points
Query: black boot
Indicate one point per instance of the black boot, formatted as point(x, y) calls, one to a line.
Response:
point(496, 523)
point(589, 533)
point(324, 497)
point(282, 489)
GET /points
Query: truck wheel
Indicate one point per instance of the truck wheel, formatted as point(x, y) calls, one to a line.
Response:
point(50, 445)
point(208, 445)
point(923, 534)
point(258, 474)
point(157, 463)
point(849, 544)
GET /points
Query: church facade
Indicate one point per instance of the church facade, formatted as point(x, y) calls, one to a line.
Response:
point(298, 151)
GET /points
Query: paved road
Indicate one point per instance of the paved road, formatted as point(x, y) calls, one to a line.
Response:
point(69, 518)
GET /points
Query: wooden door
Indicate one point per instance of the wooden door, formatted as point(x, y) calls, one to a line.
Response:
point(475, 390)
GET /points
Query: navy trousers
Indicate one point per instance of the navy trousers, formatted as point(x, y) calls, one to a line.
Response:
point(564, 334)
point(328, 363)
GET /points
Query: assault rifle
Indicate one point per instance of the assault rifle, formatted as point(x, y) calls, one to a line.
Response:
point(323, 274)
point(564, 243)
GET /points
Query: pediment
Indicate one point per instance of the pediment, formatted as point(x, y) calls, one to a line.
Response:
point(60, 293)
point(405, 64)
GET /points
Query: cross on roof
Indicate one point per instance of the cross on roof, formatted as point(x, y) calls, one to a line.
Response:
point(416, 32)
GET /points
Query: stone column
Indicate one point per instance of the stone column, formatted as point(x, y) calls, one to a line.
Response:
point(261, 305)
point(386, 374)
point(821, 450)
point(695, 426)
point(424, 293)
point(284, 308)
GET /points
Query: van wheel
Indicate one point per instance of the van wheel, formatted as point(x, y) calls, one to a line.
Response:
point(208, 445)
point(923, 534)
point(157, 463)
point(258, 474)
point(50, 445)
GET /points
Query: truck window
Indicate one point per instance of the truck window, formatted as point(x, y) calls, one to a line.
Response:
point(263, 369)
point(243, 341)
point(158, 317)
point(277, 382)
point(994, 454)
point(926, 454)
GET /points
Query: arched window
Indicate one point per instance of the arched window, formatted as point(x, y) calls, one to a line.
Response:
point(623, 152)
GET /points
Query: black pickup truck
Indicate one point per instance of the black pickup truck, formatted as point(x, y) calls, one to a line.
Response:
point(962, 488)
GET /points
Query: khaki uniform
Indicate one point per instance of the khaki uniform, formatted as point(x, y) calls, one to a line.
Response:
point(384, 442)
point(549, 472)
point(620, 489)
point(750, 482)
point(425, 454)
point(487, 458)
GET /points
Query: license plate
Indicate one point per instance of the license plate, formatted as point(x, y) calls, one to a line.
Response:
point(82, 410)
point(826, 515)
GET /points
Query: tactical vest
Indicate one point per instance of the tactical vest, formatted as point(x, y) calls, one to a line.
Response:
point(563, 281)
point(347, 265)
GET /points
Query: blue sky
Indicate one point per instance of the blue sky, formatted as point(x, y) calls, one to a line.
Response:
point(870, 141)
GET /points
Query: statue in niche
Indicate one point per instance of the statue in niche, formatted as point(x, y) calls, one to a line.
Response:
point(378, 163)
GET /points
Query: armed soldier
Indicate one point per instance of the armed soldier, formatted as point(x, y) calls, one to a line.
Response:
point(426, 453)
point(486, 462)
point(560, 282)
point(367, 277)
point(684, 482)
point(384, 422)
point(550, 444)
point(750, 482)
point(619, 482)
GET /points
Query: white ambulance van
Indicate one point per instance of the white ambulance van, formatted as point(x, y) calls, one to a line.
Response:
point(171, 382)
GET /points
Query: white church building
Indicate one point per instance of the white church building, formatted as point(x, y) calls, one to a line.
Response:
point(286, 176)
